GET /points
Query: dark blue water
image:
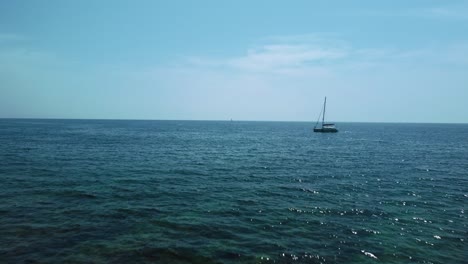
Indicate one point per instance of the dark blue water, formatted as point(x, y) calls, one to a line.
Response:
point(232, 192)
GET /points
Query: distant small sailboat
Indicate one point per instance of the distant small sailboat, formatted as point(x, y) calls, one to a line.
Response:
point(325, 127)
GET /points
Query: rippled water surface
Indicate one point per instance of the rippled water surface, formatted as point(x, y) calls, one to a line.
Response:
point(232, 192)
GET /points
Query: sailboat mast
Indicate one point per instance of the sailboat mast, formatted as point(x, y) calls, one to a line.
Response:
point(324, 106)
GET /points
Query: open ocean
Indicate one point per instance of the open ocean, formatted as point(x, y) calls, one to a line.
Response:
point(102, 191)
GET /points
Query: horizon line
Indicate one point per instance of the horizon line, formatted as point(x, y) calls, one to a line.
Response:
point(230, 120)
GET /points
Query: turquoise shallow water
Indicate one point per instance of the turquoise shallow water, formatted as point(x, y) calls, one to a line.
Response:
point(232, 192)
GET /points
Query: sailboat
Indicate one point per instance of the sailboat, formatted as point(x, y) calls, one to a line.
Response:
point(325, 127)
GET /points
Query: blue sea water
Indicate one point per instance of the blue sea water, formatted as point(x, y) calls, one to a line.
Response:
point(102, 191)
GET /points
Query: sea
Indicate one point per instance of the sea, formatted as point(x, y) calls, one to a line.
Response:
point(118, 191)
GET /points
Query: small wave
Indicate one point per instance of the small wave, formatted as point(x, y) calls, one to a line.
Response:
point(137, 211)
point(428, 169)
point(163, 255)
point(76, 194)
point(188, 172)
point(369, 254)
point(207, 231)
point(310, 191)
point(246, 201)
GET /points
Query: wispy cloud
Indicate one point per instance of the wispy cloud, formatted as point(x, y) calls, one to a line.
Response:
point(445, 12)
point(278, 57)
point(309, 56)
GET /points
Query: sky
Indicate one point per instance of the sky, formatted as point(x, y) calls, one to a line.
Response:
point(376, 61)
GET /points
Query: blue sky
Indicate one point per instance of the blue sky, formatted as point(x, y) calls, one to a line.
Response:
point(377, 61)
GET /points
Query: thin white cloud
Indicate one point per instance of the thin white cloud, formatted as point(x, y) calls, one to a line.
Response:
point(277, 58)
point(319, 57)
point(452, 12)
point(448, 12)
point(274, 58)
